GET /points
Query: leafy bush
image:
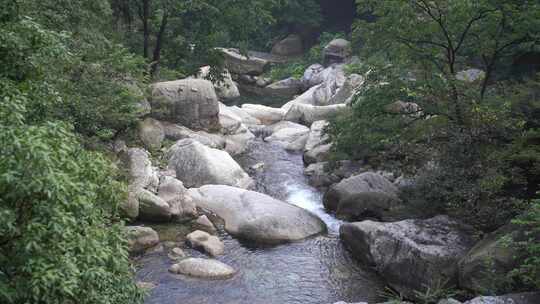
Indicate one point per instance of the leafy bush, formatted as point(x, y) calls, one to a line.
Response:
point(471, 145)
point(529, 270)
point(95, 82)
point(60, 237)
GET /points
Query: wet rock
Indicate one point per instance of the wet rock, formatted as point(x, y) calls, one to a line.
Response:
point(203, 268)
point(192, 103)
point(177, 254)
point(258, 167)
point(205, 224)
point(206, 242)
point(239, 64)
point(411, 255)
point(146, 285)
point(256, 216)
point(151, 133)
point(197, 165)
point(266, 115)
point(516, 298)
point(337, 51)
point(367, 193)
point(141, 238)
point(292, 45)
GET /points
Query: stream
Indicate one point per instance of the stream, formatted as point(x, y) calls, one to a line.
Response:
point(315, 270)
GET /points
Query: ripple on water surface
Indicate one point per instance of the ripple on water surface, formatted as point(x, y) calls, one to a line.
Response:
point(316, 270)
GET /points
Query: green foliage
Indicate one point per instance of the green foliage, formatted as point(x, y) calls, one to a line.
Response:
point(281, 71)
point(433, 294)
point(296, 12)
point(60, 238)
point(529, 270)
point(468, 143)
point(297, 68)
point(92, 83)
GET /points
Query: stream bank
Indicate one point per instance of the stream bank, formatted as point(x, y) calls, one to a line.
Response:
point(316, 270)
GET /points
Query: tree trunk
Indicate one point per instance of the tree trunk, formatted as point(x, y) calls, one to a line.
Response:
point(146, 28)
point(159, 44)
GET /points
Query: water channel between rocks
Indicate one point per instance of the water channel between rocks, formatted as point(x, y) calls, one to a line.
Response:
point(316, 270)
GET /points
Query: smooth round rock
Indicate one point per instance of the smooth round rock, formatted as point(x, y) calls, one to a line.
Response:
point(203, 268)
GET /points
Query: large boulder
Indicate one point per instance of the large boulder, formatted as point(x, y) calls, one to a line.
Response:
point(225, 88)
point(141, 238)
point(238, 114)
point(176, 132)
point(203, 268)
point(140, 170)
point(151, 133)
point(286, 87)
point(318, 154)
point(205, 224)
point(189, 102)
point(411, 255)
point(266, 115)
point(255, 216)
point(332, 81)
point(289, 135)
point(317, 147)
point(485, 268)
point(346, 92)
point(337, 51)
point(142, 175)
point(470, 75)
point(240, 64)
point(516, 298)
point(197, 165)
point(239, 142)
point(152, 207)
point(292, 45)
point(204, 241)
point(173, 192)
point(367, 195)
point(308, 114)
point(319, 175)
point(310, 77)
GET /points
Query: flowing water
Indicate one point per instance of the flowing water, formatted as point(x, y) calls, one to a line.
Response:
point(316, 270)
